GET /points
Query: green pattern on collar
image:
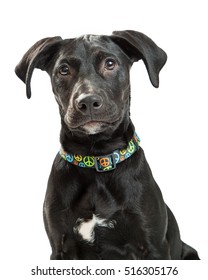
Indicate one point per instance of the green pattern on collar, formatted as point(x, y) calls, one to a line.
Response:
point(106, 162)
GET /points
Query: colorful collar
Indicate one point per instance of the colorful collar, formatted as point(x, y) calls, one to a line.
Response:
point(103, 163)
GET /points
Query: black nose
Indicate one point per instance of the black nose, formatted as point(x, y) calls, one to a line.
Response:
point(89, 103)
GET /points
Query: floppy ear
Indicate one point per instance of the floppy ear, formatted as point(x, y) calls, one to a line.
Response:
point(38, 56)
point(138, 46)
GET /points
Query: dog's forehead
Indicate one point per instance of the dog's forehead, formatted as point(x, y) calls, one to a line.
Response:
point(89, 43)
point(95, 43)
point(90, 38)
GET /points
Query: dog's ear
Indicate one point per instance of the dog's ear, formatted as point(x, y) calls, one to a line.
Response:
point(138, 46)
point(38, 56)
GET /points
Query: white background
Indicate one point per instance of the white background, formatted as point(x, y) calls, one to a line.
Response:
point(171, 121)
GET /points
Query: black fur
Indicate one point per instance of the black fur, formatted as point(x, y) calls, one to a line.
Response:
point(90, 80)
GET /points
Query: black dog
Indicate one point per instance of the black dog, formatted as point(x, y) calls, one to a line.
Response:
point(102, 201)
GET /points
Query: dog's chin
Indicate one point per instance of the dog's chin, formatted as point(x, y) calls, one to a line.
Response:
point(94, 127)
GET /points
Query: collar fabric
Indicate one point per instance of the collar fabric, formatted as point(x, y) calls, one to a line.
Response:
point(106, 162)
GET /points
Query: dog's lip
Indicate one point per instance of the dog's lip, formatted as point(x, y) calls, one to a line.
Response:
point(91, 123)
point(94, 127)
point(97, 122)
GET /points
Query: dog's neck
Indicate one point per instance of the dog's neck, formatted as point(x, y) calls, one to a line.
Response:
point(78, 143)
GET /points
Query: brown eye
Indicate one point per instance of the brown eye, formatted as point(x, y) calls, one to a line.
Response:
point(64, 70)
point(110, 64)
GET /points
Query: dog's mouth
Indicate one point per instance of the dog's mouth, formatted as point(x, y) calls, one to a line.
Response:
point(94, 127)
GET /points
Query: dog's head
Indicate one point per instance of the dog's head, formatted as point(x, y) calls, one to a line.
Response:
point(90, 75)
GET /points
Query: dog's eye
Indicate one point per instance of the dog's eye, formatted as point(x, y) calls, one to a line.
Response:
point(64, 70)
point(110, 64)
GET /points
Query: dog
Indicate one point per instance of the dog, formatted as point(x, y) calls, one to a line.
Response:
point(102, 201)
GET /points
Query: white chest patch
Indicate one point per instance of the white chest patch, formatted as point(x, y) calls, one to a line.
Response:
point(86, 228)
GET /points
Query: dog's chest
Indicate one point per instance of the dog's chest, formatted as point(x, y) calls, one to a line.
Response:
point(86, 228)
point(96, 210)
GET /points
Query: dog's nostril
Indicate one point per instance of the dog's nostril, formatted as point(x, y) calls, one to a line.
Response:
point(97, 105)
point(82, 106)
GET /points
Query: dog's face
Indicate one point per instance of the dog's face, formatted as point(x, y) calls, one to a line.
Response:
point(90, 80)
point(90, 76)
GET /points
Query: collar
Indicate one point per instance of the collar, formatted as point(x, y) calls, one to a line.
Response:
point(106, 162)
